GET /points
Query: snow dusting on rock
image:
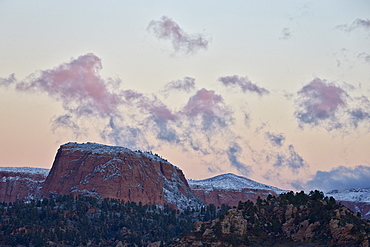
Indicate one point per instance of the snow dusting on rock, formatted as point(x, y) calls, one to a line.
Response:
point(352, 195)
point(105, 149)
point(230, 182)
point(29, 170)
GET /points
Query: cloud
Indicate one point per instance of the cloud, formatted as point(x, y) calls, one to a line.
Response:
point(293, 160)
point(360, 114)
point(275, 139)
point(120, 132)
point(186, 85)
point(358, 23)
point(161, 115)
point(77, 85)
point(66, 122)
point(285, 33)
point(364, 56)
point(7, 81)
point(340, 178)
point(244, 83)
point(233, 154)
point(319, 102)
point(286, 166)
point(247, 119)
point(210, 107)
point(168, 29)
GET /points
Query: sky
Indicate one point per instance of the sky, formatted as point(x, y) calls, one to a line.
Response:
point(276, 91)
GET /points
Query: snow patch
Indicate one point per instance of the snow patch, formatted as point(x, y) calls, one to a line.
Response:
point(352, 195)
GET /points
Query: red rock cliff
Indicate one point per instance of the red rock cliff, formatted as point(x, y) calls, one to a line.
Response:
point(230, 197)
point(117, 172)
point(20, 183)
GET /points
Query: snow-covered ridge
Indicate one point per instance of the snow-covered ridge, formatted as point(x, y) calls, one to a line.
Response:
point(352, 195)
point(230, 182)
point(105, 149)
point(29, 170)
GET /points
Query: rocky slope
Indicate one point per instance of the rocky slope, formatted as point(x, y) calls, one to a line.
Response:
point(20, 183)
point(287, 220)
point(229, 189)
point(117, 172)
point(358, 200)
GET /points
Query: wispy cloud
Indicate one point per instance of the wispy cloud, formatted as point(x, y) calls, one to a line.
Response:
point(7, 81)
point(66, 121)
point(121, 132)
point(361, 113)
point(364, 56)
point(243, 83)
point(275, 139)
point(168, 29)
point(285, 165)
point(341, 177)
point(186, 85)
point(292, 160)
point(285, 33)
point(318, 103)
point(233, 154)
point(358, 23)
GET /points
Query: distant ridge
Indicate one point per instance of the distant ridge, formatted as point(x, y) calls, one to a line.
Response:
point(229, 189)
point(353, 195)
point(230, 181)
point(29, 170)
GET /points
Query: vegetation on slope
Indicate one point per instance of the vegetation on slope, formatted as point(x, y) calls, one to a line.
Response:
point(284, 221)
point(291, 219)
point(69, 221)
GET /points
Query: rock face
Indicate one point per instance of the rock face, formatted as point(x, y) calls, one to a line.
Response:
point(20, 183)
point(362, 207)
point(229, 189)
point(117, 172)
point(287, 220)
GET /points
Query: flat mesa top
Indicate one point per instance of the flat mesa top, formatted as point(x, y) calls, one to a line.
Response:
point(105, 149)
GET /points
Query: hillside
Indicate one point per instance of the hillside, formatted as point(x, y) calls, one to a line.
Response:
point(229, 189)
point(84, 220)
point(288, 220)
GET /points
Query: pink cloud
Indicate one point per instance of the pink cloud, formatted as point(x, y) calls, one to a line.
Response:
point(320, 101)
point(210, 107)
point(204, 102)
point(168, 29)
point(77, 82)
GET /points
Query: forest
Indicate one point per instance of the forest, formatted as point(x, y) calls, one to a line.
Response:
point(69, 220)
